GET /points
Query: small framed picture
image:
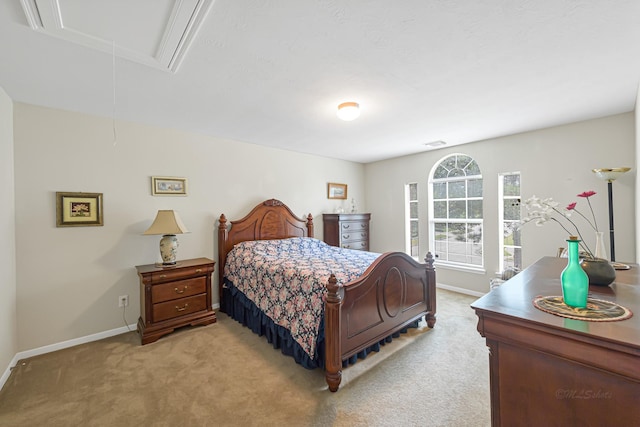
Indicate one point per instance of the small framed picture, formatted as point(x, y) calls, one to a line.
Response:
point(78, 209)
point(168, 186)
point(336, 191)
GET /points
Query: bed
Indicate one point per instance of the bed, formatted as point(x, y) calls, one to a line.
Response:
point(392, 293)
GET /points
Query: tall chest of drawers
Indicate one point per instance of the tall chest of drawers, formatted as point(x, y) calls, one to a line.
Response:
point(349, 231)
point(172, 297)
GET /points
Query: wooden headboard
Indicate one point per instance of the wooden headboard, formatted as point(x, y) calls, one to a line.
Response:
point(271, 219)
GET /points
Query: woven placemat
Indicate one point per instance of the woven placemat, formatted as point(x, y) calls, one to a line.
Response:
point(597, 310)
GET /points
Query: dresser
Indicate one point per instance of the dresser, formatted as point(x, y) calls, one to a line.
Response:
point(349, 231)
point(547, 370)
point(172, 297)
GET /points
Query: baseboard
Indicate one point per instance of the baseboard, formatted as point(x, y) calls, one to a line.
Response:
point(460, 290)
point(62, 345)
point(66, 344)
point(7, 372)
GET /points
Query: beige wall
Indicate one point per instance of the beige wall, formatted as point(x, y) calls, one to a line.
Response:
point(554, 162)
point(8, 316)
point(69, 279)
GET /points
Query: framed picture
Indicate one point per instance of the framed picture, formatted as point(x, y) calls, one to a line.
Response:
point(78, 209)
point(168, 186)
point(336, 191)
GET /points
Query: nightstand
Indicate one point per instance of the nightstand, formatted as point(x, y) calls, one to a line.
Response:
point(176, 296)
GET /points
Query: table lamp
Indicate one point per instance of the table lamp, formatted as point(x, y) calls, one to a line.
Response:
point(167, 223)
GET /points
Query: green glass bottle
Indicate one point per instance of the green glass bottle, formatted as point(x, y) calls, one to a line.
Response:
point(575, 282)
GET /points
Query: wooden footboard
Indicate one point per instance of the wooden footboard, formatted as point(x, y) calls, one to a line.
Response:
point(392, 293)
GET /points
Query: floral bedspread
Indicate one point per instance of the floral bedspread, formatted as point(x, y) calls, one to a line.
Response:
point(287, 280)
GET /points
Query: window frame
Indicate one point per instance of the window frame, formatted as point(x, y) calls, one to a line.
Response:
point(501, 221)
point(409, 221)
point(467, 220)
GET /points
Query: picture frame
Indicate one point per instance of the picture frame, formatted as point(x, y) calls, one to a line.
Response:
point(78, 209)
point(336, 191)
point(168, 186)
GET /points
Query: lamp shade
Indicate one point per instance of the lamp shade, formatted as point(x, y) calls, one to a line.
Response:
point(348, 111)
point(167, 222)
point(610, 174)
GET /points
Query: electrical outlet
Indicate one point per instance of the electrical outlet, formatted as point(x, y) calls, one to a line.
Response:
point(123, 300)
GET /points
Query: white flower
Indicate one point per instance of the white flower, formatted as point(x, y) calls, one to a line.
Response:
point(540, 211)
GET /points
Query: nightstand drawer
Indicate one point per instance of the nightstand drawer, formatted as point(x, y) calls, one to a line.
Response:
point(179, 307)
point(179, 289)
point(169, 275)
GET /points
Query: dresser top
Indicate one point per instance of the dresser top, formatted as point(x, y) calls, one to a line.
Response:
point(150, 268)
point(347, 216)
point(514, 299)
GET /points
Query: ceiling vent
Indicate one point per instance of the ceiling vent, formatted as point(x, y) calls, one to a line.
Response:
point(435, 144)
point(156, 33)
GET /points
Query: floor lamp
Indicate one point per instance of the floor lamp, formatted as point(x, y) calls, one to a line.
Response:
point(610, 175)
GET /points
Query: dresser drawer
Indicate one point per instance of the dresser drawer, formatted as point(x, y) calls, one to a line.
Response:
point(354, 236)
point(178, 289)
point(167, 275)
point(353, 226)
point(179, 307)
point(362, 245)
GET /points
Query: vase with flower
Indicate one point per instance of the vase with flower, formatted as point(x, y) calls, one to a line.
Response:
point(594, 263)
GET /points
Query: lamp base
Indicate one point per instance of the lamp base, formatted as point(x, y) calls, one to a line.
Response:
point(169, 249)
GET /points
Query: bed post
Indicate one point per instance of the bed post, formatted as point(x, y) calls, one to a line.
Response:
point(309, 225)
point(222, 253)
point(332, 328)
point(430, 316)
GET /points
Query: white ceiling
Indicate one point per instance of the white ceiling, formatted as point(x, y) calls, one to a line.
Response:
point(273, 72)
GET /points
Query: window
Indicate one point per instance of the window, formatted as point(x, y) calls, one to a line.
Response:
point(456, 212)
point(509, 217)
point(412, 236)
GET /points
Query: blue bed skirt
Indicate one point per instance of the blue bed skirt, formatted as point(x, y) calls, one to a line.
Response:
point(235, 304)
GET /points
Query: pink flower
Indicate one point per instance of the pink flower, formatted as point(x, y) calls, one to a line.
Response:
point(541, 211)
point(587, 194)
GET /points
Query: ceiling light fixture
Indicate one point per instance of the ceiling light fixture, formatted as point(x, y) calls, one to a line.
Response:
point(348, 111)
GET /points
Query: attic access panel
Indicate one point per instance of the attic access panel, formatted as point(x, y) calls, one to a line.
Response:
point(156, 33)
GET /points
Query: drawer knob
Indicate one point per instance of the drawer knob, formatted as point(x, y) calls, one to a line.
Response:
point(346, 226)
point(163, 276)
point(178, 291)
point(182, 308)
point(346, 236)
point(198, 270)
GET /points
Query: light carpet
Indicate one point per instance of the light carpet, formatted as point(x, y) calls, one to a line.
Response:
point(224, 375)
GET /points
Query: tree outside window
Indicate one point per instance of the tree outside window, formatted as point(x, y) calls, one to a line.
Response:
point(456, 211)
point(509, 216)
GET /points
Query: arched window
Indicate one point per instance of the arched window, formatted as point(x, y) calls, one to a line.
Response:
point(455, 224)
